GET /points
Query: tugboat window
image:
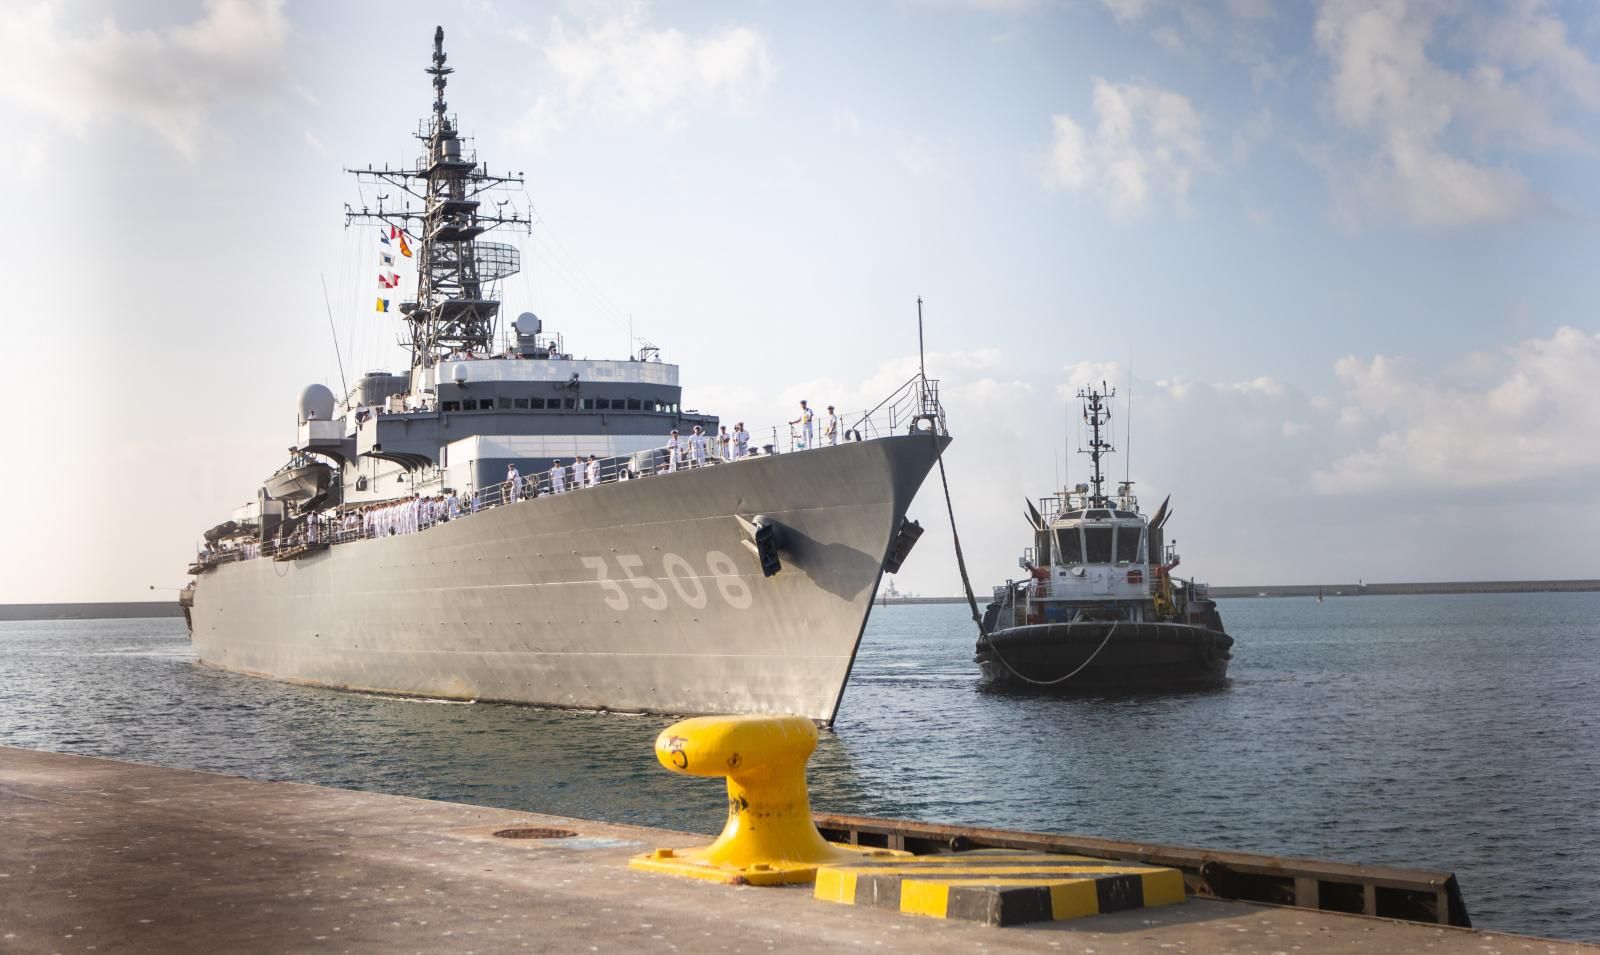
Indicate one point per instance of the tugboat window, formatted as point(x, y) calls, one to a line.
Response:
point(1099, 515)
point(1097, 545)
point(1070, 544)
point(1125, 514)
point(1127, 543)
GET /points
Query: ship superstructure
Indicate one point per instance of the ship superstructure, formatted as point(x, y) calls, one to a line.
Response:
point(502, 521)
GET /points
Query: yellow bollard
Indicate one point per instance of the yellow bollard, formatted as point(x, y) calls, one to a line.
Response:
point(769, 838)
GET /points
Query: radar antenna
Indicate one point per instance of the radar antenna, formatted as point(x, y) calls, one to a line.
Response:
point(458, 294)
point(1096, 413)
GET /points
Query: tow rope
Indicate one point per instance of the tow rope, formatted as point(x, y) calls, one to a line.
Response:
point(972, 601)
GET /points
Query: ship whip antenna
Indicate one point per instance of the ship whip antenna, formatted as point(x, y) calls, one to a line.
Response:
point(922, 363)
point(1127, 442)
point(335, 332)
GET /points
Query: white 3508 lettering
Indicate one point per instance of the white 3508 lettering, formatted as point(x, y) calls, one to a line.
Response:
point(686, 582)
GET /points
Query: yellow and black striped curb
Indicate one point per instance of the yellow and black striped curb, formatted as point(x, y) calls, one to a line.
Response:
point(999, 887)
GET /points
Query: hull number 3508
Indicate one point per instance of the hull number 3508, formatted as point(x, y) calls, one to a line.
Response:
point(687, 583)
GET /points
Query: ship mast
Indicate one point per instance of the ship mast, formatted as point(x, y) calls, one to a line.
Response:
point(1096, 413)
point(457, 275)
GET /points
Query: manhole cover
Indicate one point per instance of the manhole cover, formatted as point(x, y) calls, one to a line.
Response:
point(534, 832)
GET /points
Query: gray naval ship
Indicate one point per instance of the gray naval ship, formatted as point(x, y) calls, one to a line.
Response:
point(503, 522)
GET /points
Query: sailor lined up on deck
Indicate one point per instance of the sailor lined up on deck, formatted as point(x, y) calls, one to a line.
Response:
point(741, 441)
point(697, 447)
point(806, 427)
point(674, 449)
point(593, 472)
point(558, 477)
point(513, 485)
point(830, 428)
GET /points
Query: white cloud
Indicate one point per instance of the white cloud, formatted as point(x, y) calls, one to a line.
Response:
point(621, 68)
point(1436, 97)
point(172, 80)
point(1538, 420)
point(916, 156)
point(1146, 139)
point(1127, 10)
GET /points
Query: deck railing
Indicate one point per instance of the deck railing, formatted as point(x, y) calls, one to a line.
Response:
point(912, 406)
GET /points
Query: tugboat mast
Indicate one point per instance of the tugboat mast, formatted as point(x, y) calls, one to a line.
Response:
point(1097, 413)
point(457, 297)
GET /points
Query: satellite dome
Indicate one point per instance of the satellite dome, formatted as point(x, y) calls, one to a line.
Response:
point(316, 401)
point(458, 372)
point(528, 324)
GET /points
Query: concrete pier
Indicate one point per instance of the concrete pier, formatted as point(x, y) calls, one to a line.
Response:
point(105, 856)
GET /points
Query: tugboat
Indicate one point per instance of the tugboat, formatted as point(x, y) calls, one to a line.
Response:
point(1100, 610)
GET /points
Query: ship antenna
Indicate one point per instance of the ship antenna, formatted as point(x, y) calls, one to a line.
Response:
point(1097, 414)
point(335, 332)
point(922, 364)
point(1127, 443)
point(458, 277)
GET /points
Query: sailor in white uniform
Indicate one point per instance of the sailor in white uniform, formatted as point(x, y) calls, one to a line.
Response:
point(594, 471)
point(697, 447)
point(741, 441)
point(830, 429)
point(513, 486)
point(806, 427)
point(674, 450)
point(558, 477)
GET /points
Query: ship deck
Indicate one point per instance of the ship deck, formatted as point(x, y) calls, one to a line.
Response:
point(112, 856)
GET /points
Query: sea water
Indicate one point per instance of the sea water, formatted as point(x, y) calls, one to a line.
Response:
point(1459, 733)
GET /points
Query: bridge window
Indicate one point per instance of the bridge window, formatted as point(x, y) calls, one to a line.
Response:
point(633, 404)
point(570, 404)
point(537, 404)
point(505, 403)
point(1071, 545)
point(1097, 545)
point(452, 406)
point(519, 403)
point(1128, 543)
point(471, 404)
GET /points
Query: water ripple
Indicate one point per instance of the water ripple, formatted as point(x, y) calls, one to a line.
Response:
point(1457, 733)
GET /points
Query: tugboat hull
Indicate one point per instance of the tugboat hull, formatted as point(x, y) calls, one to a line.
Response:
point(1136, 657)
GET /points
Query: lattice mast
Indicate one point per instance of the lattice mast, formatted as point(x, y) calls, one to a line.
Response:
point(457, 304)
point(1096, 413)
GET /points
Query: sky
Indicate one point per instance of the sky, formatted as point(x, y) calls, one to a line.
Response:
point(1337, 258)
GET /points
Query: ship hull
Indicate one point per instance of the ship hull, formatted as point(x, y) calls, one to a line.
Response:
point(637, 595)
point(1137, 657)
